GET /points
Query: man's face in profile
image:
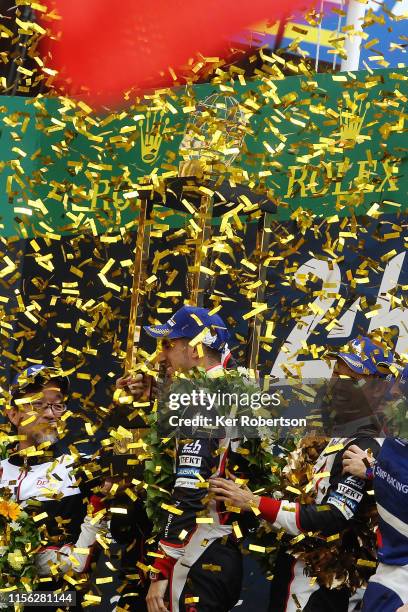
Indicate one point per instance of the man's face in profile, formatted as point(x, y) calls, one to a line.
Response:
point(178, 355)
point(351, 395)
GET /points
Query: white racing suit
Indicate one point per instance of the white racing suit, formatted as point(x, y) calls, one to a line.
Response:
point(47, 485)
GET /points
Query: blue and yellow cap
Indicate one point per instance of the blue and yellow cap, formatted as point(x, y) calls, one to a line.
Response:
point(38, 373)
point(365, 357)
point(189, 322)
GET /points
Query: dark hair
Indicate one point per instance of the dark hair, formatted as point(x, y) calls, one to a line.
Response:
point(34, 387)
point(211, 353)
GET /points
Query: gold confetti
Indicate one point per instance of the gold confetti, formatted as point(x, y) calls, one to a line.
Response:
point(256, 548)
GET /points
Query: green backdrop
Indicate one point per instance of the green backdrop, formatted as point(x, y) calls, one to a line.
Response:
point(324, 144)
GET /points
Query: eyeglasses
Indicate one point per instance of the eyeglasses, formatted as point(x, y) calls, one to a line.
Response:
point(43, 406)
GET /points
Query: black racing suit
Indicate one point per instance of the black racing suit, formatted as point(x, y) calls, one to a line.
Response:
point(198, 551)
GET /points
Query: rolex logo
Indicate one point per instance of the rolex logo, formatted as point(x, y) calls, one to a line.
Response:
point(351, 122)
point(151, 135)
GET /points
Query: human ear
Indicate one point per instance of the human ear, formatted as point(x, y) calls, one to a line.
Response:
point(379, 388)
point(195, 353)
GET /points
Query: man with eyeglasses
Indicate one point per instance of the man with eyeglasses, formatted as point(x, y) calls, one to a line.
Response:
point(38, 402)
point(43, 475)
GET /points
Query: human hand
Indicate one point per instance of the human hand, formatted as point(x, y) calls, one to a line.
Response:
point(137, 384)
point(155, 596)
point(113, 486)
point(107, 485)
point(355, 461)
point(233, 494)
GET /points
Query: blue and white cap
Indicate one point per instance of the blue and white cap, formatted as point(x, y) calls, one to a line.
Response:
point(38, 373)
point(365, 357)
point(189, 322)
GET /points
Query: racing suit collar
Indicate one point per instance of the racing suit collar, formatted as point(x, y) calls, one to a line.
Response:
point(215, 371)
point(21, 459)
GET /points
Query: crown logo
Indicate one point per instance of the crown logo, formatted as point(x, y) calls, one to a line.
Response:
point(352, 121)
point(151, 135)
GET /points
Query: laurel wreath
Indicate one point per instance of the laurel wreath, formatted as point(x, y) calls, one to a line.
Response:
point(263, 465)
